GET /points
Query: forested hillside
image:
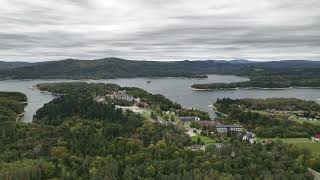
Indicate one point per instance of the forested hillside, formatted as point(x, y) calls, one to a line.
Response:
point(11, 65)
point(121, 68)
point(74, 137)
point(11, 105)
point(283, 74)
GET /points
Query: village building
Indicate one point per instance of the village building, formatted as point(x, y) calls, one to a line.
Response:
point(100, 99)
point(189, 118)
point(248, 136)
point(121, 95)
point(229, 128)
point(139, 103)
point(134, 109)
point(316, 137)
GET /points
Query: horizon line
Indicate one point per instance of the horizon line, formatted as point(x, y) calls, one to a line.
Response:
point(169, 60)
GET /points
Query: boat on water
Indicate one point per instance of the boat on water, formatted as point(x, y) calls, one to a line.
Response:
point(148, 82)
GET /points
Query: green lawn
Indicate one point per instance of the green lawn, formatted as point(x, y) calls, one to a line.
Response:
point(314, 147)
point(204, 139)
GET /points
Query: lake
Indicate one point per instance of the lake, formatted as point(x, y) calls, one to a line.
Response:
point(176, 89)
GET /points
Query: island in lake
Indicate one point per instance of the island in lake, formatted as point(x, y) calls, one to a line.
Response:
point(305, 78)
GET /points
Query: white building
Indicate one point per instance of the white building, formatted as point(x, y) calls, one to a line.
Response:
point(228, 128)
point(248, 136)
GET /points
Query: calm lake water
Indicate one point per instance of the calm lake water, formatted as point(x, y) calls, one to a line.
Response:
point(176, 89)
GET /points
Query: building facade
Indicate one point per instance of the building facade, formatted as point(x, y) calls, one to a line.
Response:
point(229, 128)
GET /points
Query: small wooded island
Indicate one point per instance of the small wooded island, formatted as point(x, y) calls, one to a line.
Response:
point(269, 80)
point(105, 131)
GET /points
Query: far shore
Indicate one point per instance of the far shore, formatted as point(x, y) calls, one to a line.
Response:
point(252, 88)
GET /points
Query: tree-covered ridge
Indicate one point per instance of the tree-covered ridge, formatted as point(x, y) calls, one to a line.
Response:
point(284, 104)
point(74, 137)
point(11, 65)
point(11, 105)
point(270, 80)
point(121, 68)
point(269, 125)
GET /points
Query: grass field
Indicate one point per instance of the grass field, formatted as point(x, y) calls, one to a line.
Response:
point(204, 139)
point(314, 147)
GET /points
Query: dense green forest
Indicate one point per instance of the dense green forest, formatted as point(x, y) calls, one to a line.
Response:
point(15, 96)
point(11, 105)
point(121, 68)
point(242, 111)
point(73, 137)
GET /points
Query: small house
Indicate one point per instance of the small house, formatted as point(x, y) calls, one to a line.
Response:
point(317, 137)
point(248, 136)
point(139, 103)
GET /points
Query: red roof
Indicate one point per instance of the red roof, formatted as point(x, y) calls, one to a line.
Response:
point(317, 136)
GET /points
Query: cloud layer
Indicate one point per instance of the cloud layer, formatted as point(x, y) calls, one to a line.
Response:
point(41, 30)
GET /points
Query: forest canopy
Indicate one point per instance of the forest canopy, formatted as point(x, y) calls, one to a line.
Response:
point(11, 105)
point(74, 137)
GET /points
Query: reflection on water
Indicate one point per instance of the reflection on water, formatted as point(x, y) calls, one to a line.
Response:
point(176, 89)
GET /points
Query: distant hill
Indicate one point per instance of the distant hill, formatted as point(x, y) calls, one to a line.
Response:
point(289, 64)
point(12, 65)
point(121, 68)
point(276, 74)
point(118, 68)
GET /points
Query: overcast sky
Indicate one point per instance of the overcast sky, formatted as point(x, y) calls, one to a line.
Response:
point(39, 30)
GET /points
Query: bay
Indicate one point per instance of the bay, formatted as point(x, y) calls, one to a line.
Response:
point(176, 89)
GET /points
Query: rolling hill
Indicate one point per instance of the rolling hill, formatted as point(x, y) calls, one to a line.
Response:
point(11, 65)
point(121, 68)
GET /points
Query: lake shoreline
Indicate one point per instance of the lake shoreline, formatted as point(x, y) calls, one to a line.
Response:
point(46, 92)
point(252, 88)
point(114, 78)
point(175, 89)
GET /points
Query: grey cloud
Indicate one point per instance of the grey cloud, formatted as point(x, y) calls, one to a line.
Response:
point(159, 29)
